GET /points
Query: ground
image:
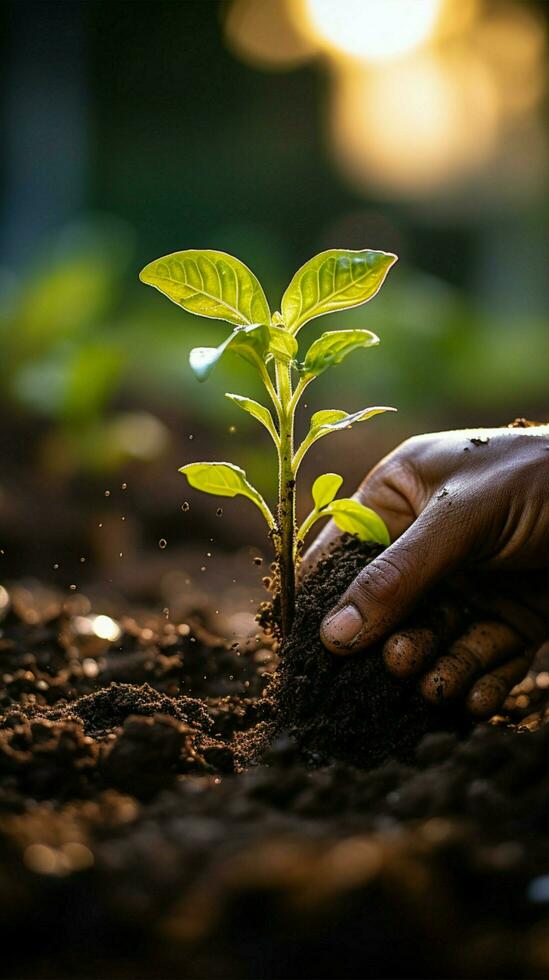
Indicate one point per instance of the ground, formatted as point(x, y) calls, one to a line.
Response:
point(136, 841)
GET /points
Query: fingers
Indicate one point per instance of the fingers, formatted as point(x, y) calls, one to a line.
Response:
point(490, 691)
point(522, 600)
point(389, 586)
point(484, 646)
point(411, 650)
point(407, 652)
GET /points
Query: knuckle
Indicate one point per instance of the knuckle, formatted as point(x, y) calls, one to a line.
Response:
point(379, 581)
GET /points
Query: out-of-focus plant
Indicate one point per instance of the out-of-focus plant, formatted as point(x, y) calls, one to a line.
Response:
point(214, 284)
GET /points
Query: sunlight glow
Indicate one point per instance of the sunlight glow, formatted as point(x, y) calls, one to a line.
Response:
point(373, 30)
point(414, 127)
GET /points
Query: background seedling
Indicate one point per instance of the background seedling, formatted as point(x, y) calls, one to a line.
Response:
point(214, 284)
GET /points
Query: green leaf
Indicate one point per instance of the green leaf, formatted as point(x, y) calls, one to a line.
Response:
point(258, 411)
point(334, 280)
point(251, 343)
point(327, 416)
point(322, 424)
point(354, 518)
point(225, 480)
point(331, 420)
point(209, 283)
point(283, 345)
point(332, 347)
point(325, 488)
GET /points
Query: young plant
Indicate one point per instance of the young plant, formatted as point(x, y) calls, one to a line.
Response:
point(214, 284)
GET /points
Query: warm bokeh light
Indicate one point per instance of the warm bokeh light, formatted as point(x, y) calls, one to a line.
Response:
point(415, 124)
point(264, 35)
point(372, 30)
point(513, 43)
point(425, 94)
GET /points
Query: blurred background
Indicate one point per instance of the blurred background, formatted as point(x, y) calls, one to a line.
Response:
point(271, 129)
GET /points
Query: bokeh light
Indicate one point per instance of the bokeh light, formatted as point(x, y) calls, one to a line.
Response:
point(409, 127)
point(372, 30)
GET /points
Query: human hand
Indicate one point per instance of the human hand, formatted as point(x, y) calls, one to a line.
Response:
point(470, 507)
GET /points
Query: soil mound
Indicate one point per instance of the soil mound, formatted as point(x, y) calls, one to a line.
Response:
point(339, 708)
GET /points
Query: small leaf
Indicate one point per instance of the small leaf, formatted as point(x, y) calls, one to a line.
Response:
point(332, 419)
point(283, 345)
point(332, 347)
point(327, 416)
point(325, 488)
point(259, 412)
point(334, 280)
point(354, 518)
point(224, 480)
point(209, 283)
point(250, 342)
point(344, 420)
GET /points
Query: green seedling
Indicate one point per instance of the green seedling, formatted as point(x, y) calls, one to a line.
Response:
point(214, 284)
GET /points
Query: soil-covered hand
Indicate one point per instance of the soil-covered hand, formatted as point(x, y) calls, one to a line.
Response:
point(470, 508)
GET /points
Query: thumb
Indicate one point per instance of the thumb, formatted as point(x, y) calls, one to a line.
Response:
point(386, 589)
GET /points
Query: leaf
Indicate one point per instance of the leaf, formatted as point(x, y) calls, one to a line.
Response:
point(258, 412)
point(327, 416)
point(251, 343)
point(331, 420)
point(332, 347)
point(334, 280)
point(354, 518)
point(325, 488)
point(343, 420)
point(283, 345)
point(224, 480)
point(209, 283)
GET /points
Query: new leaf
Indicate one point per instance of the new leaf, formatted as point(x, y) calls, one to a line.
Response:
point(331, 420)
point(332, 347)
point(325, 488)
point(354, 518)
point(251, 343)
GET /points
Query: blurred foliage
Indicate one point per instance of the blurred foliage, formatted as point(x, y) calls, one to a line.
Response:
point(85, 347)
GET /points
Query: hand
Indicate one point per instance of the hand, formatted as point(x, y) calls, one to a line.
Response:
point(470, 507)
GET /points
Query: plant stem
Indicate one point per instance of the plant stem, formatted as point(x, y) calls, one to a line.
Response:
point(269, 386)
point(314, 516)
point(286, 499)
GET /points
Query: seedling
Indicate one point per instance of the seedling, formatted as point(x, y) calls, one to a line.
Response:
point(214, 284)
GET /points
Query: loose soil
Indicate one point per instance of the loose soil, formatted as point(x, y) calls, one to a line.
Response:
point(138, 840)
point(347, 709)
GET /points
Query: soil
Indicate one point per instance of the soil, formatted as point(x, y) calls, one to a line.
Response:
point(134, 842)
point(347, 709)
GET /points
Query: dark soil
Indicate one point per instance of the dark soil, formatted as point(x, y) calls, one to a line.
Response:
point(129, 846)
point(348, 709)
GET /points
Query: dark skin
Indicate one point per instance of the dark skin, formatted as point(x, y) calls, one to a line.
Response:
point(470, 509)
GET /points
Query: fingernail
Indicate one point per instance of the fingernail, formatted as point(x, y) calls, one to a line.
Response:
point(343, 627)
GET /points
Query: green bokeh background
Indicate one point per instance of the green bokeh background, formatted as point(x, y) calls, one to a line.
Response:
point(131, 131)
